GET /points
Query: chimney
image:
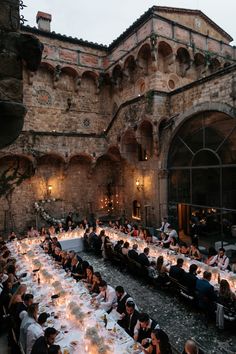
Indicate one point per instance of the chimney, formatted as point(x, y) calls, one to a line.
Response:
point(44, 20)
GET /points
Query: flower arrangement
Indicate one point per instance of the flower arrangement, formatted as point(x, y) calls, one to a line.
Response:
point(96, 340)
point(44, 214)
point(75, 311)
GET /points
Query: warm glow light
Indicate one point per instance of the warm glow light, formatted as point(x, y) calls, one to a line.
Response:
point(137, 182)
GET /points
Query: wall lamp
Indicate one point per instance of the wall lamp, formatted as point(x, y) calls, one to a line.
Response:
point(139, 186)
point(49, 189)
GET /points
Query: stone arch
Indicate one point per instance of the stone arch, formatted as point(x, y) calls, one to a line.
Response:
point(116, 76)
point(144, 58)
point(145, 140)
point(183, 60)
point(83, 158)
point(70, 71)
point(89, 82)
point(130, 67)
point(45, 73)
point(182, 118)
point(199, 63)
point(214, 65)
point(129, 146)
point(114, 153)
point(165, 56)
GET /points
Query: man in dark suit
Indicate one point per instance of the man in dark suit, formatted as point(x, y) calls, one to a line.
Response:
point(122, 298)
point(130, 319)
point(190, 278)
point(205, 293)
point(143, 257)
point(76, 268)
point(177, 271)
point(133, 254)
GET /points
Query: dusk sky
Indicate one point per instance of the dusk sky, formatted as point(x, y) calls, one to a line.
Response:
point(104, 20)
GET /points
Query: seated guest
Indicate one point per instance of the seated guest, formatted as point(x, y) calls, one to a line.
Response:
point(11, 272)
point(43, 343)
point(130, 319)
point(191, 347)
point(174, 246)
point(172, 232)
point(118, 246)
point(152, 271)
point(12, 236)
point(134, 232)
point(57, 254)
point(211, 254)
point(125, 249)
point(34, 331)
point(89, 275)
point(164, 225)
point(190, 278)
point(220, 260)
point(106, 297)
point(143, 257)
point(81, 271)
point(143, 329)
point(29, 318)
point(184, 249)
point(148, 236)
point(59, 228)
point(17, 297)
point(177, 271)
point(23, 306)
point(133, 253)
point(56, 243)
point(205, 293)
point(122, 298)
point(159, 343)
point(68, 262)
point(76, 267)
point(5, 295)
point(86, 240)
point(97, 279)
point(226, 297)
point(162, 272)
point(69, 227)
point(194, 252)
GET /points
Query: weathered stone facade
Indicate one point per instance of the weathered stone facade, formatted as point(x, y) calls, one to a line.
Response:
point(101, 120)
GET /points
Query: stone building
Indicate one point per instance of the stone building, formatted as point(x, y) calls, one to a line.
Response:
point(144, 127)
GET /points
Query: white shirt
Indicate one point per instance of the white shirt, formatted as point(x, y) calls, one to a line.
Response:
point(222, 263)
point(25, 323)
point(34, 331)
point(173, 234)
point(107, 298)
point(164, 227)
point(138, 326)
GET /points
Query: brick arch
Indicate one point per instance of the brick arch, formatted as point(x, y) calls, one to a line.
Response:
point(54, 156)
point(30, 158)
point(182, 118)
point(144, 58)
point(70, 71)
point(91, 74)
point(48, 66)
point(81, 157)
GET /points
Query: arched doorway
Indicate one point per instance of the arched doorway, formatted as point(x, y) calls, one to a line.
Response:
point(202, 175)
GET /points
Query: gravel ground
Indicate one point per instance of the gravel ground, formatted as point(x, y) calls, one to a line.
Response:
point(171, 313)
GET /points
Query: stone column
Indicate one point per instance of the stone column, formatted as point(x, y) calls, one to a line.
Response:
point(15, 49)
point(163, 193)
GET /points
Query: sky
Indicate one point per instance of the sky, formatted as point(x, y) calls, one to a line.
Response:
point(102, 21)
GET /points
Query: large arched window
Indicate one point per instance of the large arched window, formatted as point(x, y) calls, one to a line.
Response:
point(202, 164)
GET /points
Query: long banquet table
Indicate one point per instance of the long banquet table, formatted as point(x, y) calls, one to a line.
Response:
point(170, 257)
point(81, 325)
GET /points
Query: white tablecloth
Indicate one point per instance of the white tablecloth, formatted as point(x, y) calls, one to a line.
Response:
point(75, 244)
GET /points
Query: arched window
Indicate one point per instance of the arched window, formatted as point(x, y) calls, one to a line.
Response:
point(202, 166)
